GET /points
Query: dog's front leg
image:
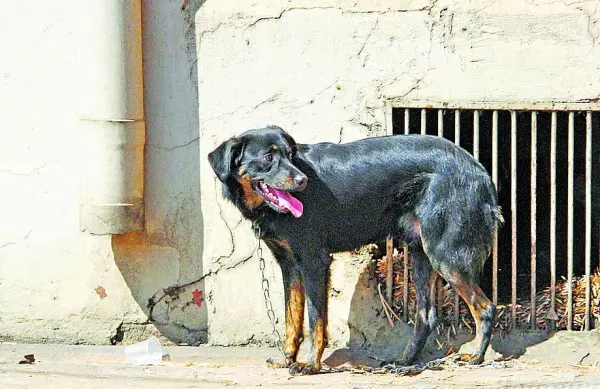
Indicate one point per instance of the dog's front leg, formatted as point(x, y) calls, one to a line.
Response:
point(315, 273)
point(293, 287)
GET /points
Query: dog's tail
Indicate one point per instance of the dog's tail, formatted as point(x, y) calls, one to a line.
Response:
point(497, 215)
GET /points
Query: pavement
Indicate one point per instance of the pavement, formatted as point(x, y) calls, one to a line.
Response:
point(63, 366)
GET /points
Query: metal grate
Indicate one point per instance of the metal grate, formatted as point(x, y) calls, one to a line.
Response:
point(543, 161)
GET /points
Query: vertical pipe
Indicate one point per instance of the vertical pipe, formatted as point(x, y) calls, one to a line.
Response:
point(423, 121)
point(513, 205)
point(476, 134)
point(552, 311)
point(405, 248)
point(440, 123)
point(495, 181)
point(457, 142)
point(533, 217)
point(112, 116)
point(588, 216)
point(571, 163)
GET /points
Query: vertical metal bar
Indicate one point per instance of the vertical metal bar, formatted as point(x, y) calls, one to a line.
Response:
point(588, 216)
point(533, 217)
point(552, 311)
point(423, 121)
point(440, 282)
point(457, 126)
point(389, 276)
point(457, 142)
point(405, 248)
point(495, 180)
point(571, 163)
point(389, 279)
point(405, 286)
point(513, 206)
point(476, 134)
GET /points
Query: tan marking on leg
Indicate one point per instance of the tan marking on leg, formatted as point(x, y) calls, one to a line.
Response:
point(294, 320)
point(319, 341)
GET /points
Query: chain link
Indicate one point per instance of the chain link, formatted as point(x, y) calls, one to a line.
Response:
point(266, 294)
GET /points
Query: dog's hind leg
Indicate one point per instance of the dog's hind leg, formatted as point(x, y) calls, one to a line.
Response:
point(464, 283)
point(315, 273)
point(293, 287)
point(426, 318)
point(483, 312)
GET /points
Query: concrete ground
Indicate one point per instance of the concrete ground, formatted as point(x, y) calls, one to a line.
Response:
point(60, 366)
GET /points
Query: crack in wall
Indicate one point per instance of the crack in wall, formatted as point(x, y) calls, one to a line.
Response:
point(343, 11)
point(367, 38)
point(11, 242)
point(193, 140)
point(231, 238)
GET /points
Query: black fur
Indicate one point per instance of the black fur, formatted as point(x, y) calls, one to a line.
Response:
point(419, 189)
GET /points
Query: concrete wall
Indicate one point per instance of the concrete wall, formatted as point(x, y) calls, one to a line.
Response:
point(53, 277)
point(323, 69)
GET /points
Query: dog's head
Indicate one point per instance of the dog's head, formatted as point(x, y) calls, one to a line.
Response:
point(261, 161)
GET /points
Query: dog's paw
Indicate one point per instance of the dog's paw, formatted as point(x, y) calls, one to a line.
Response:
point(396, 362)
point(472, 359)
point(298, 368)
point(278, 363)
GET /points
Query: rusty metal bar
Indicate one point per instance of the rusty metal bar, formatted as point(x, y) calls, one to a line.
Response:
point(571, 165)
point(457, 142)
point(423, 121)
point(405, 286)
point(389, 279)
point(405, 248)
point(513, 205)
point(476, 134)
point(495, 180)
point(552, 311)
point(533, 216)
point(588, 216)
point(440, 282)
point(389, 276)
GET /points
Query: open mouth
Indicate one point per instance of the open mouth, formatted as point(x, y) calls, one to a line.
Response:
point(280, 200)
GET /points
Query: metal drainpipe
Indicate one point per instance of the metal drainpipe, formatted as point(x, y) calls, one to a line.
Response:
point(112, 116)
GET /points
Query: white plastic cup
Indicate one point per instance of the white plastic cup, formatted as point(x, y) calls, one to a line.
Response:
point(147, 352)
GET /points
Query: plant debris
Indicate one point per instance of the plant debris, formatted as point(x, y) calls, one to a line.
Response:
point(446, 307)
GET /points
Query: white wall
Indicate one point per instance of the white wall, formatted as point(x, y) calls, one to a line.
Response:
point(49, 270)
point(323, 69)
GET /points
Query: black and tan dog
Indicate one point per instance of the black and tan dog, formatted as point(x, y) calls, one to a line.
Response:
point(311, 200)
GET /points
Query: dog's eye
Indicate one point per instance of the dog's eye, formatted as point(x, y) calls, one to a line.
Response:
point(268, 157)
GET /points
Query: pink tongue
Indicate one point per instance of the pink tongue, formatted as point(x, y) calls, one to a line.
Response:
point(289, 202)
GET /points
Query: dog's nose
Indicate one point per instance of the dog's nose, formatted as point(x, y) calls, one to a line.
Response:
point(300, 180)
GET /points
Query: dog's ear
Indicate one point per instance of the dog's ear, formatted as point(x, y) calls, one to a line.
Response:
point(291, 142)
point(226, 157)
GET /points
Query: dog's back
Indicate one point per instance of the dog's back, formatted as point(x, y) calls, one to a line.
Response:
point(364, 191)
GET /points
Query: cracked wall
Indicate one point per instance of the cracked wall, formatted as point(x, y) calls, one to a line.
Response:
point(323, 70)
point(58, 284)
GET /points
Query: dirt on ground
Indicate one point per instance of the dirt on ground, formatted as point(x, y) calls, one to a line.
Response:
point(564, 360)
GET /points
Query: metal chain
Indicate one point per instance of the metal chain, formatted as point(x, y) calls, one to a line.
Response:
point(266, 294)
